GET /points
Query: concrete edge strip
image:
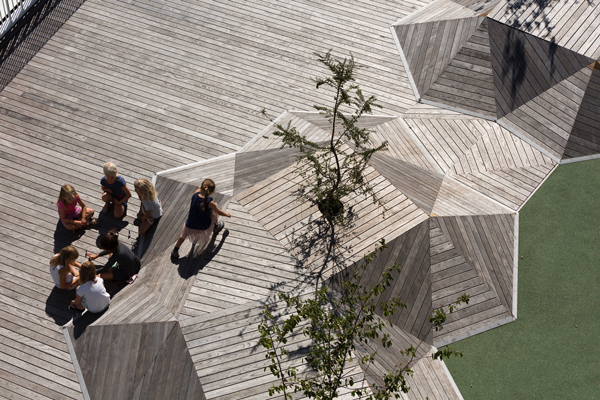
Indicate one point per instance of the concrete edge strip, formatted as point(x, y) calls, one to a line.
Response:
point(515, 266)
point(484, 328)
point(538, 186)
point(578, 159)
point(84, 391)
point(450, 378)
point(405, 64)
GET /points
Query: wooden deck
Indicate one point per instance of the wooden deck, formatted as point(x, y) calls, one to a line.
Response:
point(530, 67)
point(178, 87)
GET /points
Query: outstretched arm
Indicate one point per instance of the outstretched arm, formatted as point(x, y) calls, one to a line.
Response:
point(213, 206)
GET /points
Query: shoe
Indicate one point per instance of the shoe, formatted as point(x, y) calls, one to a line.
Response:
point(175, 255)
point(218, 227)
point(131, 279)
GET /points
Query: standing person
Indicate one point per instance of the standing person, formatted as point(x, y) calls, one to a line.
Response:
point(202, 220)
point(122, 263)
point(72, 211)
point(114, 191)
point(91, 293)
point(150, 208)
point(64, 268)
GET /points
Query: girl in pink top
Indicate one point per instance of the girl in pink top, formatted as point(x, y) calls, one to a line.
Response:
point(72, 210)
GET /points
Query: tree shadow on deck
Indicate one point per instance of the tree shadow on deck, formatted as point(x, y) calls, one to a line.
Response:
point(30, 33)
point(321, 250)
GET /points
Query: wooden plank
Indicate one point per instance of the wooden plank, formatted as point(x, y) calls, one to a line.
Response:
point(421, 186)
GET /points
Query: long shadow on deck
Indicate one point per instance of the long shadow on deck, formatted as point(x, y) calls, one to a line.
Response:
point(31, 33)
point(191, 264)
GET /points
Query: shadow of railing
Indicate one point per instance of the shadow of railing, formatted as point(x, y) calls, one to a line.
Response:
point(30, 33)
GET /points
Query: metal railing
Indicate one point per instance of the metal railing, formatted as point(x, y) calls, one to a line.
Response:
point(10, 11)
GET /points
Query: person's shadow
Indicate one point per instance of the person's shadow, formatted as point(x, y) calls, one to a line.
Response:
point(189, 265)
point(82, 320)
point(64, 237)
point(57, 305)
point(141, 245)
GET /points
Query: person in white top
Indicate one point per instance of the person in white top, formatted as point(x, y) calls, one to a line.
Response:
point(64, 268)
point(91, 293)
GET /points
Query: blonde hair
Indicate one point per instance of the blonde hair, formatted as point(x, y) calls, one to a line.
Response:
point(146, 188)
point(206, 189)
point(87, 272)
point(110, 169)
point(66, 254)
point(66, 190)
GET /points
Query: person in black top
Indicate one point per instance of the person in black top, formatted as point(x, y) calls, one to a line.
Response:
point(203, 218)
point(122, 263)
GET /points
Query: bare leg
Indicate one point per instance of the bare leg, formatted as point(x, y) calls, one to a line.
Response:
point(108, 275)
point(73, 226)
point(69, 225)
point(144, 227)
point(107, 198)
point(119, 210)
point(89, 214)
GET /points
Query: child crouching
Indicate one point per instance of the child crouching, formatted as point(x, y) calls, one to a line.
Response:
point(91, 294)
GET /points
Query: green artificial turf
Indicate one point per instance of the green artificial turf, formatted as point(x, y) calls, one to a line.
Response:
point(552, 350)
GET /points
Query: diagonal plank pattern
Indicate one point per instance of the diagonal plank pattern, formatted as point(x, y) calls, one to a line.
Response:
point(178, 86)
point(511, 63)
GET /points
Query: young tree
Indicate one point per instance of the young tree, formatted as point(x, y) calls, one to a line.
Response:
point(336, 168)
point(335, 323)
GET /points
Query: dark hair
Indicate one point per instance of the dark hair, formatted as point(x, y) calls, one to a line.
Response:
point(110, 241)
point(207, 187)
point(87, 272)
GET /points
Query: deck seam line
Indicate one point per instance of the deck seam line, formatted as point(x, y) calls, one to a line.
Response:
point(76, 366)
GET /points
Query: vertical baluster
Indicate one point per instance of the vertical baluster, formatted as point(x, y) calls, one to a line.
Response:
point(7, 8)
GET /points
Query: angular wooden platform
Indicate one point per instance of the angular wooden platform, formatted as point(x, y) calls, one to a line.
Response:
point(178, 87)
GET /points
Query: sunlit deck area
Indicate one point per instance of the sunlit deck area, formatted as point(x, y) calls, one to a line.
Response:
point(173, 92)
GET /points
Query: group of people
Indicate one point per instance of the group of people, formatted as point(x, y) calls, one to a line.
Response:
point(74, 214)
point(123, 265)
